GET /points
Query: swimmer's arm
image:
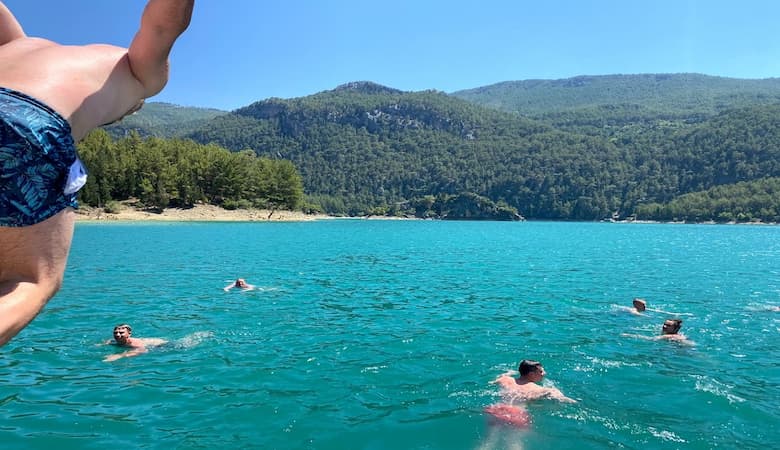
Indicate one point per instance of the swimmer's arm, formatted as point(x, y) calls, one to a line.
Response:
point(9, 26)
point(682, 339)
point(638, 336)
point(558, 395)
point(661, 311)
point(162, 22)
point(228, 287)
point(130, 353)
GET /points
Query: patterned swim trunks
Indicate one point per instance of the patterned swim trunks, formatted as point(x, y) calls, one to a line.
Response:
point(39, 170)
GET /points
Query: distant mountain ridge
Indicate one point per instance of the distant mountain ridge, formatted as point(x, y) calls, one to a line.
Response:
point(163, 119)
point(583, 148)
point(681, 94)
point(670, 95)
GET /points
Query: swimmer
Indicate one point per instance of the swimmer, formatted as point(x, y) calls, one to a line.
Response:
point(51, 97)
point(640, 306)
point(525, 388)
point(670, 331)
point(239, 283)
point(123, 338)
point(517, 391)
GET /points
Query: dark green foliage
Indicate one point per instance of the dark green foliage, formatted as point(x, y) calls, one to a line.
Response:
point(360, 153)
point(180, 173)
point(467, 206)
point(751, 201)
point(587, 148)
point(163, 120)
point(686, 94)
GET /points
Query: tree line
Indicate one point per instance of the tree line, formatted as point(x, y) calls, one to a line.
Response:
point(366, 149)
point(750, 201)
point(361, 152)
point(164, 173)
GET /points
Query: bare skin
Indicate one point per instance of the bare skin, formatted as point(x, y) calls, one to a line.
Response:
point(525, 388)
point(639, 306)
point(239, 283)
point(511, 414)
point(123, 338)
point(89, 86)
point(670, 331)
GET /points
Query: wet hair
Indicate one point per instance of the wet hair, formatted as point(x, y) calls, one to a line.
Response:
point(527, 366)
point(124, 325)
point(677, 324)
point(639, 301)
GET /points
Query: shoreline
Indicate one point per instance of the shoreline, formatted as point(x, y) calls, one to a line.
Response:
point(198, 213)
point(211, 213)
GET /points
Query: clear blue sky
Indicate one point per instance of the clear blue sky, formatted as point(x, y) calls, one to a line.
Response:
point(240, 51)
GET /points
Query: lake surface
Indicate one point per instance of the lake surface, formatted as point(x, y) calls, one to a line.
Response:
point(387, 334)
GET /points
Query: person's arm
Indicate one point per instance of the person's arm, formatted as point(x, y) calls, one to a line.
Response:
point(228, 287)
point(9, 26)
point(638, 336)
point(558, 395)
point(668, 313)
point(681, 338)
point(162, 22)
point(138, 348)
point(134, 352)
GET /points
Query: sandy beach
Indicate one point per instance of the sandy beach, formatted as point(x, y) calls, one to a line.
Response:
point(198, 213)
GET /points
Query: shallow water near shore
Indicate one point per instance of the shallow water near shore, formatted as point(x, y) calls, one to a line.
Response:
point(386, 334)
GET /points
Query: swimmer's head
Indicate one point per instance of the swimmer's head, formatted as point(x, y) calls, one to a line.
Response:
point(125, 326)
point(240, 282)
point(640, 304)
point(530, 367)
point(122, 333)
point(671, 326)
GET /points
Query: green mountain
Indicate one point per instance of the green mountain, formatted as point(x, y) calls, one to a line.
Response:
point(680, 95)
point(163, 120)
point(587, 148)
point(364, 148)
point(746, 201)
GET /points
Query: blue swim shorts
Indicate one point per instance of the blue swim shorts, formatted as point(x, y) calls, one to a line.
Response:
point(39, 170)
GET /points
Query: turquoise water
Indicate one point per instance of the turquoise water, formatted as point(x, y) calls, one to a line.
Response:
point(386, 334)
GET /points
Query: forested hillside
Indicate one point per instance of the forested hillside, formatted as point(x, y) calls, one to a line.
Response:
point(670, 95)
point(615, 147)
point(163, 120)
point(364, 149)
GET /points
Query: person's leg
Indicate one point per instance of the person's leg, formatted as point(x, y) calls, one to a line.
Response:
point(32, 264)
